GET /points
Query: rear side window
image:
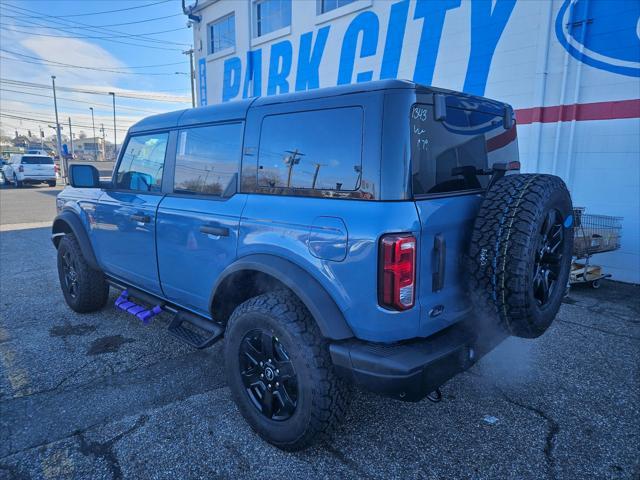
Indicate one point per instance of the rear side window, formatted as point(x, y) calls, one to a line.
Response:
point(445, 153)
point(142, 163)
point(36, 161)
point(207, 158)
point(315, 150)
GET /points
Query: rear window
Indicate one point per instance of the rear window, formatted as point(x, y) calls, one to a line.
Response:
point(446, 153)
point(36, 161)
point(315, 150)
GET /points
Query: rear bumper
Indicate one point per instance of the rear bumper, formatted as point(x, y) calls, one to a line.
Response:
point(411, 370)
point(38, 179)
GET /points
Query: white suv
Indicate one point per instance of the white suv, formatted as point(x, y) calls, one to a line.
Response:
point(29, 169)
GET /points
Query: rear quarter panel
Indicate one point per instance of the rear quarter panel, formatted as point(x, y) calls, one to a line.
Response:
point(281, 226)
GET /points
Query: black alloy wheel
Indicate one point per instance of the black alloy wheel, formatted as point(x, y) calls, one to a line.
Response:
point(70, 275)
point(268, 375)
point(548, 257)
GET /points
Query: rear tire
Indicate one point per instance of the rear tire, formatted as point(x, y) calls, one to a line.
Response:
point(84, 289)
point(520, 253)
point(17, 183)
point(51, 184)
point(315, 399)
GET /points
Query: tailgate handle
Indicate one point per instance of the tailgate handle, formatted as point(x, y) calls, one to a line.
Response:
point(440, 251)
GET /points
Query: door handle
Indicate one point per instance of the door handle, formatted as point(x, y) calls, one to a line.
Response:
point(140, 218)
point(215, 230)
point(440, 251)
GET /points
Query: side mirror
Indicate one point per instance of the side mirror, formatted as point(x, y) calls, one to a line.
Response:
point(84, 176)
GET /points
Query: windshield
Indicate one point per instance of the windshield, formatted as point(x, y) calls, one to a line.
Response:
point(36, 161)
point(447, 155)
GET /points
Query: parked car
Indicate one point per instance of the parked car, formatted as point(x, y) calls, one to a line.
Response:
point(375, 234)
point(29, 169)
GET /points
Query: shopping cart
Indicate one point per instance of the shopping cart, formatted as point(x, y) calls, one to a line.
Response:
point(592, 234)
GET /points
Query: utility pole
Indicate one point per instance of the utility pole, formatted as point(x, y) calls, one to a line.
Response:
point(115, 141)
point(192, 75)
point(104, 143)
point(290, 161)
point(70, 138)
point(58, 134)
point(315, 174)
point(95, 140)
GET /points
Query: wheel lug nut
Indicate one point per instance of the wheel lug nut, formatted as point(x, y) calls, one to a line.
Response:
point(262, 375)
point(277, 371)
point(277, 384)
point(261, 364)
point(269, 385)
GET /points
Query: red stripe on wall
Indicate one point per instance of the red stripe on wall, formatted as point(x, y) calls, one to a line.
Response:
point(581, 111)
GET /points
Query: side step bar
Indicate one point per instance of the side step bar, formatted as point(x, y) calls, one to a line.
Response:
point(196, 331)
point(193, 329)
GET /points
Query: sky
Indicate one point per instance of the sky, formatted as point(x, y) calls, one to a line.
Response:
point(136, 50)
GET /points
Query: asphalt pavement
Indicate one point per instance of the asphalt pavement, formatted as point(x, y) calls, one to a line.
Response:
point(103, 396)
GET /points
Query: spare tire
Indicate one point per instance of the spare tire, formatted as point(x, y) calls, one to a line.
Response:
point(520, 253)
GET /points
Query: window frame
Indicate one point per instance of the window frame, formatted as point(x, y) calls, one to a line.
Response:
point(309, 192)
point(168, 161)
point(174, 161)
point(224, 51)
point(257, 38)
point(356, 5)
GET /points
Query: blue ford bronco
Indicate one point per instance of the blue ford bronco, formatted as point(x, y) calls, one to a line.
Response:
point(377, 235)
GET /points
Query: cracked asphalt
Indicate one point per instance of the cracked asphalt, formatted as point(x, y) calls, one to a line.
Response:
point(103, 396)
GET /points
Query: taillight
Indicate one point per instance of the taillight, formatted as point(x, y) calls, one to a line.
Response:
point(397, 274)
point(21, 168)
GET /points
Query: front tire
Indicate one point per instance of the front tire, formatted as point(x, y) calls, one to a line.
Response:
point(84, 289)
point(280, 372)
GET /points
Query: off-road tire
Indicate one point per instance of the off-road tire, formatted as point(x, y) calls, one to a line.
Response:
point(322, 397)
point(502, 255)
point(92, 290)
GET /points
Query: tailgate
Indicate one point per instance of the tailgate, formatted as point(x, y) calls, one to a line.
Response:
point(34, 166)
point(446, 225)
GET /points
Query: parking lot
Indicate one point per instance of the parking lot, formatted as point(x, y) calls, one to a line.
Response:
point(104, 396)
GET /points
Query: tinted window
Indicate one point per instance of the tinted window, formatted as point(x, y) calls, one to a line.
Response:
point(207, 158)
point(315, 150)
point(36, 161)
point(142, 163)
point(446, 154)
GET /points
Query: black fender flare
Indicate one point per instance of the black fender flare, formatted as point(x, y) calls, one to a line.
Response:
point(69, 222)
point(320, 304)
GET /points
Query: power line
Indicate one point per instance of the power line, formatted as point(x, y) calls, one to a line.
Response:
point(123, 94)
point(70, 65)
point(44, 120)
point(93, 104)
point(93, 28)
point(63, 65)
point(30, 24)
point(111, 11)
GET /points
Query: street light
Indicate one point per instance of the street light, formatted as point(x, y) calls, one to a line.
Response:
point(115, 141)
point(95, 141)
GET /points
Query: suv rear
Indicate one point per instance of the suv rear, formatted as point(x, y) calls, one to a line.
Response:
point(375, 234)
point(23, 169)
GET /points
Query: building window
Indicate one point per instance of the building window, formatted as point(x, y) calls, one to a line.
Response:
point(325, 6)
point(222, 34)
point(294, 151)
point(270, 15)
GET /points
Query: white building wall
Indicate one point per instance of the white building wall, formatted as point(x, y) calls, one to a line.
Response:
point(523, 45)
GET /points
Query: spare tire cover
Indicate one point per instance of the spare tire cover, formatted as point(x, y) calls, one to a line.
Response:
point(520, 253)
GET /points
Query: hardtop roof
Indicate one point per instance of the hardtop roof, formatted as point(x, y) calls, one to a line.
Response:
point(237, 110)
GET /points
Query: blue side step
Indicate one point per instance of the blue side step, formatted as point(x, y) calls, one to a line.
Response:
point(123, 302)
